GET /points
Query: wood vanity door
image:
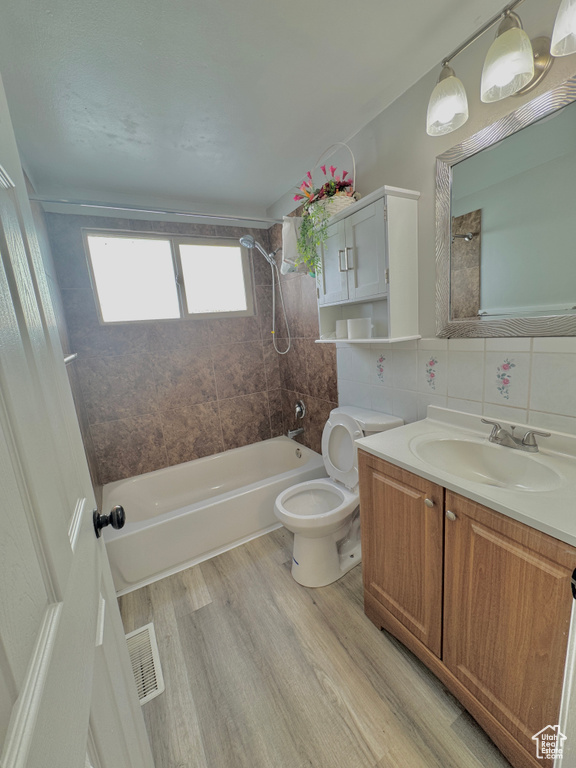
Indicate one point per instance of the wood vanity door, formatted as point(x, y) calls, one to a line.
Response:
point(402, 546)
point(507, 605)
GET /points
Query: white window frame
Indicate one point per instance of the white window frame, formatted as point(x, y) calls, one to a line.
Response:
point(175, 241)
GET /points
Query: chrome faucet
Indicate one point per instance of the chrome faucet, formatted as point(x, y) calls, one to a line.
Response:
point(508, 439)
point(300, 412)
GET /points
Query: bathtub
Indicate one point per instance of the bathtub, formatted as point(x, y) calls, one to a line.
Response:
point(182, 515)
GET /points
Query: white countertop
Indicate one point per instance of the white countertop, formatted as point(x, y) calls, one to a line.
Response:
point(550, 511)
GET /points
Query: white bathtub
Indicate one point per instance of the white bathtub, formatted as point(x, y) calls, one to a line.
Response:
point(179, 516)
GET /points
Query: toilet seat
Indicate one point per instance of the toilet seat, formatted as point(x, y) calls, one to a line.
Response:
point(338, 449)
point(314, 504)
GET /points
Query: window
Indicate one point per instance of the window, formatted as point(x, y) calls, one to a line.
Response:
point(139, 278)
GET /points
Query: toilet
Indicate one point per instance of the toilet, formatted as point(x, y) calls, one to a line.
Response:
point(323, 514)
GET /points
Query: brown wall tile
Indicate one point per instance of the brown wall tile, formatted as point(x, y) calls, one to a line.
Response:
point(128, 447)
point(191, 433)
point(272, 364)
point(117, 387)
point(234, 330)
point(276, 414)
point(184, 378)
point(317, 413)
point(239, 369)
point(174, 335)
point(245, 420)
point(310, 326)
point(264, 307)
point(321, 368)
point(293, 371)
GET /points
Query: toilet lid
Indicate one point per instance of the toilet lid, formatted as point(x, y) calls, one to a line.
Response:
point(338, 449)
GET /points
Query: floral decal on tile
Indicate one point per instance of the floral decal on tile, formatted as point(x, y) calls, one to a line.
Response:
point(380, 367)
point(504, 377)
point(431, 372)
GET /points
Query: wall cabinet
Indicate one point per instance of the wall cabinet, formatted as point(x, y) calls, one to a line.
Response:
point(482, 599)
point(354, 259)
point(370, 265)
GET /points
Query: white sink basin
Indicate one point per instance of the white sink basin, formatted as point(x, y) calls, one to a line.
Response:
point(485, 463)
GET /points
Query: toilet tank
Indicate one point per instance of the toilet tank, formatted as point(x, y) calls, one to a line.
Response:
point(370, 422)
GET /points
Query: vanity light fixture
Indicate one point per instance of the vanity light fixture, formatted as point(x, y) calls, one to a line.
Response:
point(509, 63)
point(448, 106)
point(564, 34)
point(514, 65)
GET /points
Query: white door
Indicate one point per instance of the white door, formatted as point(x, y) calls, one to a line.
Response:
point(66, 694)
point(366, 252)
point(333, 279)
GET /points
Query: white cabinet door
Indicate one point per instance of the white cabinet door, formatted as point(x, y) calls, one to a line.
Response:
point(333, 279)
point(65, 681)
point(365, 252)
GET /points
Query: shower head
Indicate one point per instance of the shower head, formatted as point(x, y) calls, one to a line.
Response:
point(247, 241)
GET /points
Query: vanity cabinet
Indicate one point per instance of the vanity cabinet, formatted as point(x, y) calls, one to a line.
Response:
point(369, 265)
point(507, 615)
point(402, 546)
point(499, 592)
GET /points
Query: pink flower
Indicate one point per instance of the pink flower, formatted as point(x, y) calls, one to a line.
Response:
point(323, 169)
point(298, 197)
point(505, 382)
point(431, 362)
point(344, 174)
point(332, 170)
point(337, 178)
point(506, 366)
point(432, 375)
point(309, 175)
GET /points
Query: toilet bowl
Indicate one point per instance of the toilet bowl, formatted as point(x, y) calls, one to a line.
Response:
point(324, 514)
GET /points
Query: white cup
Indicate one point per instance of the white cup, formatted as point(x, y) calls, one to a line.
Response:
point(360, 328)
point(341, 329)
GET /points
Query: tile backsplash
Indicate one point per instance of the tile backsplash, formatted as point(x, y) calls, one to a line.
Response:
point(520, 380)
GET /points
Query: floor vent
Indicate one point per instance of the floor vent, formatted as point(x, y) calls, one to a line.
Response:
point(143, 650)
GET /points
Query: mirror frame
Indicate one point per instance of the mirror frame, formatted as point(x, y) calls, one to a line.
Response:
point(552, 325)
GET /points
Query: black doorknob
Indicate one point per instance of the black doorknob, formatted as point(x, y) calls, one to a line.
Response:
point(116, 519)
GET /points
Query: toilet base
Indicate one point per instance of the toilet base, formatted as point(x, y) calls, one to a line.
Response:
point(317, 562)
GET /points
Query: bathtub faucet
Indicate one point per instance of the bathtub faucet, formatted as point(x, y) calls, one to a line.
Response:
point(295, 432)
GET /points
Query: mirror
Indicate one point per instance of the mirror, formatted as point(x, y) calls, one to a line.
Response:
point(505, 246)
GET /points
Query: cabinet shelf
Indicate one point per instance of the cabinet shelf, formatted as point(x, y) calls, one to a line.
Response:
point(385, 340)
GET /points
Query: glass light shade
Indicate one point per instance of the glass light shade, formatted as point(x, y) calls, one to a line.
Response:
point(448, 105)
point(564, 34)
point(509, 65)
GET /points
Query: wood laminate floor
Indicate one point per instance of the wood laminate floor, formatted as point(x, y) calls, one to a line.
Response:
point(263, 673)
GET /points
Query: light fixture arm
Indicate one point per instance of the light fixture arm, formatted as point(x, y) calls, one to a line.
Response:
point(472, 39)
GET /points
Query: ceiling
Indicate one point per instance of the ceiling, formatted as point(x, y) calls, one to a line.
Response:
point(212, 105)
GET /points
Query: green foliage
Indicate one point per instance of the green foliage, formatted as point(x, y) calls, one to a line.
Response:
point(313, 233)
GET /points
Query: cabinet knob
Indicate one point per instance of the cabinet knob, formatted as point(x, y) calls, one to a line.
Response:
point(429, 502)
point(450, 515)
